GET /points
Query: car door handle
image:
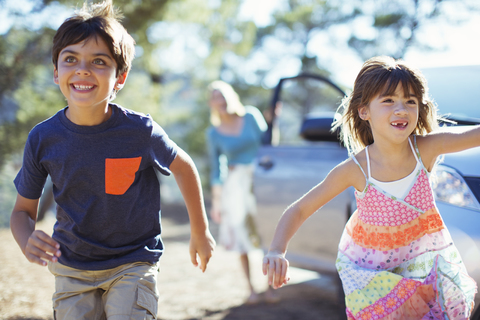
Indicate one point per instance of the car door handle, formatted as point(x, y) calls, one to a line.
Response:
point(266, 163)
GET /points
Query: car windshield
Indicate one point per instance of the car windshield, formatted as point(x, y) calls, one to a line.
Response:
point(454, 89)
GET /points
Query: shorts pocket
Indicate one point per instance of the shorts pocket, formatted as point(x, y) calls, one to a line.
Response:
point(147, 300)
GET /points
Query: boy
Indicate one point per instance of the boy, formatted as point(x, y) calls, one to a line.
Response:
point(102, 158)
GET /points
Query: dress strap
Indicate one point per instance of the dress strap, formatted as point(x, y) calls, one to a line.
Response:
point(417, 153)
point(358, 164)
point(368, 163)
point(414, 150)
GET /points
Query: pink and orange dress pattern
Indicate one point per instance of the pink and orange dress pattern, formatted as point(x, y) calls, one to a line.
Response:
point(397, 259)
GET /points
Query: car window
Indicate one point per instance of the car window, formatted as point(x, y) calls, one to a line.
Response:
point(454, 89)
point(298, 98)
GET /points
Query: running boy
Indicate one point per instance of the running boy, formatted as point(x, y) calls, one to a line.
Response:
point(102, 159)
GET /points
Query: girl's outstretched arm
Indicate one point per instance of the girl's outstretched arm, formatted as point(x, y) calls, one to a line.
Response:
point(340, 178)
point(447, 140)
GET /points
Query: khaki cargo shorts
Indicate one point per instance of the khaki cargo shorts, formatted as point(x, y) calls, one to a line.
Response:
point(125, 292)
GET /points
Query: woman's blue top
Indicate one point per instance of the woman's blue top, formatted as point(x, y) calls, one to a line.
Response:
point(225, 150)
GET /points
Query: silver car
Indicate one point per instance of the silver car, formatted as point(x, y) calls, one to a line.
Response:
point(299, 150)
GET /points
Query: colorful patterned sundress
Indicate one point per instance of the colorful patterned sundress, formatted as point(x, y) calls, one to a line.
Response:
point(397, 259)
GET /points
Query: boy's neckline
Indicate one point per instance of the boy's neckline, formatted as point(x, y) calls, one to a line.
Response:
point(88, 117)
point(90, 129)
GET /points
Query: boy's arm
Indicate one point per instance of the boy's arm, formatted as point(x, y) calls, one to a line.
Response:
point(188, 180)
point(36, 245)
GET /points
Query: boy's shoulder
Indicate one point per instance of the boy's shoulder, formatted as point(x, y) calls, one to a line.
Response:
point(129, 112)
point(143, 125)
point(132, 115)
point(47, 125)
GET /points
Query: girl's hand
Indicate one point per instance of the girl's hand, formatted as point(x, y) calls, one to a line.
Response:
point(276, 267)
point(41, 248)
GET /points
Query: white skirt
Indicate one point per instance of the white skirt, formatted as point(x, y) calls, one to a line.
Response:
point(237, 229)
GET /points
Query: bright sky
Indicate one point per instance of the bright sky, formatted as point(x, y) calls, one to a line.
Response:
point(53, 16)
point(463, 43)
point(458, 44)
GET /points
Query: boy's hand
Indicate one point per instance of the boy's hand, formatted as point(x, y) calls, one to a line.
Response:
point(40, 247)
point(188, 180)
point(203, 245)
point(276, 266)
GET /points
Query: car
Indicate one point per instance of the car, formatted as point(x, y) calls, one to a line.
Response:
point(299, 150)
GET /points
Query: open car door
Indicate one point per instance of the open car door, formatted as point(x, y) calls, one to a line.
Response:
point(298, 152)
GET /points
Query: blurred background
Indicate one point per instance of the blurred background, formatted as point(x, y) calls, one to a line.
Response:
point(182, 45)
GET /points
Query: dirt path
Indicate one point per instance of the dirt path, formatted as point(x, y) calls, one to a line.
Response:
point(185, 293)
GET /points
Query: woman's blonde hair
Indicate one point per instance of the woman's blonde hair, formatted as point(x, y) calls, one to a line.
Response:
point(234, 106)
point(381, 75)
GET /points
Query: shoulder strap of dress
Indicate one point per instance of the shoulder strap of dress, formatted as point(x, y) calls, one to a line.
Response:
point(416, 152)
point(368, 163)
point(358, 164)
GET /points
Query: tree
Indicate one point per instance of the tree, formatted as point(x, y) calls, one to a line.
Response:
point(26, 87)
point(394, 24)
point(182, 45)
point(27, 65)
point(314, 35)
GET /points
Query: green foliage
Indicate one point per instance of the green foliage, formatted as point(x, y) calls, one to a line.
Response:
point(30, 94)
point(387, 20)
point(21, 50)
point(140, 94)
point(24, 99)
point(185, 44)
point(396, 24)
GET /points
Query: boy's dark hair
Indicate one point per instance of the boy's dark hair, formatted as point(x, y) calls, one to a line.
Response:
point(97, 20)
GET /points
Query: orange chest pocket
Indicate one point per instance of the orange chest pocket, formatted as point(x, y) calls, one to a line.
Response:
point(120, 174)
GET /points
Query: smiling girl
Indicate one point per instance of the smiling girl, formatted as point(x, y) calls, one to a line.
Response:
point(396, 258)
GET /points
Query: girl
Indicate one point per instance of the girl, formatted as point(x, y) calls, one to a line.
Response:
point(234, 136)
point(396, 258)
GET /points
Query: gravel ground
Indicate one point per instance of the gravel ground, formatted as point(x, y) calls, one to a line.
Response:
point(185, 293)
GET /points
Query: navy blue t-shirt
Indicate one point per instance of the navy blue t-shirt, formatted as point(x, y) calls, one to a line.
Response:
point(104, 184)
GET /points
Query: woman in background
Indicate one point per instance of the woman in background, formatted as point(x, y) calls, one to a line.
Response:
point(233, 139)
